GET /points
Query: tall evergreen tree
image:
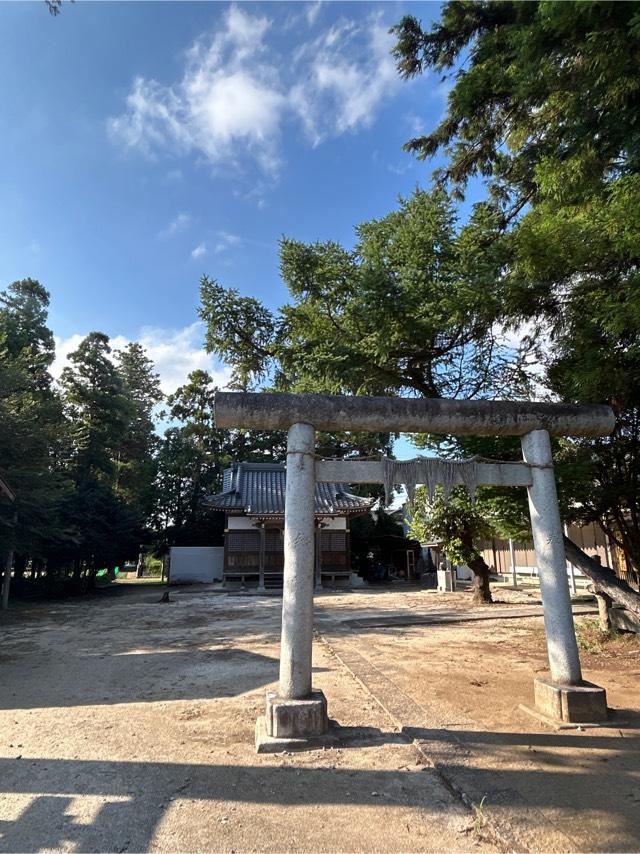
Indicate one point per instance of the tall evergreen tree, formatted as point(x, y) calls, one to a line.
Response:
point(138, 444)
point(32, 438)
point(99, 413)
point(407, 311)
point(192, 458)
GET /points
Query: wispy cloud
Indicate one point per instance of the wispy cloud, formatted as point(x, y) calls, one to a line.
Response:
point(312, 11)
point(199, 251)
point(226, 241)
point(417, 125)
point(180, 223)
point(237, 90)
point(401, 168)
point(173, 175)
point(174, 352)
point(345, 75)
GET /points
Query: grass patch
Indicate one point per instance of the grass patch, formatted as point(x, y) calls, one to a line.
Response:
point(593, 640)
point(478, 821)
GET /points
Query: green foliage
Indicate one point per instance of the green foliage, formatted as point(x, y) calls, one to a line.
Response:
point(137, 446)
point(410, 310)
point(32, 447)
point(109, 400)
point(459, 526)
point(79, 455)
point(378, 532)
point(97, 404)
point(479, 817)
point(456, 523)
point(240, 330)
point(191, 460)
point(609, 643)
point(504, 509)
point(544, 105)
point(544, 98)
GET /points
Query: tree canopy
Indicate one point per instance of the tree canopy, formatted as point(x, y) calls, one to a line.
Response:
point(458, 524)
point(544, 97)
point(543, 107)
point(406, 311)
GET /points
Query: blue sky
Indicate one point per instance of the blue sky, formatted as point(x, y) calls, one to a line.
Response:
point(145, 144)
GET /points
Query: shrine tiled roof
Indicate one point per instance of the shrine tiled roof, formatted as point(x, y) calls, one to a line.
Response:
point(258, 489)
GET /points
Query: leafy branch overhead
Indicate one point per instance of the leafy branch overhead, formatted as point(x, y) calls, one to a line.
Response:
point(410, 310)
point(544, 95)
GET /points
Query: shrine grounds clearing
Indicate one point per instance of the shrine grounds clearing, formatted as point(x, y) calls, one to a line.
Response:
point(127, 724)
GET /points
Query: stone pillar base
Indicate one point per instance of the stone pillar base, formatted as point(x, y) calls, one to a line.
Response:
point(293, 724)
point(573, 704)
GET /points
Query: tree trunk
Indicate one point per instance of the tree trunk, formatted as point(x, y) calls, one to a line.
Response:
point(19, 565)
point(604, 618)
point(604, 579)
point(6, 580)
point(481, 588)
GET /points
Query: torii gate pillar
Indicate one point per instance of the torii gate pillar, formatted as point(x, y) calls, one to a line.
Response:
point(296, 716)
point(565, 697)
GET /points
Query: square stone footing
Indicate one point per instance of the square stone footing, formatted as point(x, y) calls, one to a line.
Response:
point(266, 743)
point(296, 718)
point(572, 704)
point(292, 724)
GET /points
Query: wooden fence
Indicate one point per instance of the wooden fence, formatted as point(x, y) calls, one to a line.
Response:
point(590, 538)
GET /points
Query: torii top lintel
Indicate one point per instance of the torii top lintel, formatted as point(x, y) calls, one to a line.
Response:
point(277, 411)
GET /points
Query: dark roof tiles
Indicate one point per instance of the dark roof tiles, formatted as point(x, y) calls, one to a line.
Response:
point(258, 489)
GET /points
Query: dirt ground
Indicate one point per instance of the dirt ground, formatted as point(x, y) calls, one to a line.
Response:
point(126, 724)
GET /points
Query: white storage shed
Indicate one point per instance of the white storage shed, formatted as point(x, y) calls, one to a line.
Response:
point(196, 564)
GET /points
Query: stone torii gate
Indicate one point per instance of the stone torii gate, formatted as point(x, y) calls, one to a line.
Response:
point(297, 715)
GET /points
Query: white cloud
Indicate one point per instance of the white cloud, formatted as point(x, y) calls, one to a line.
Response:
point(226, 241)
point(173, 175)
point(229, 96)
point(347, 73)
point(180, 223)
point(402, 168)
point(237, 91)
point(416, 124)
point(64, 346)
point(312, 12)
point(174, 352)
point(199, 251)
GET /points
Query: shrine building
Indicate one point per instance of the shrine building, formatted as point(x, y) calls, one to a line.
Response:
point(252, 498)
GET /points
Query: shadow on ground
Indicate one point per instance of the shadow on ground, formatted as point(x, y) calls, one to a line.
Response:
point(132, 677)
point(130, 798)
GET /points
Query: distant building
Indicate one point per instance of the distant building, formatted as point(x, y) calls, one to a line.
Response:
point(253, 500)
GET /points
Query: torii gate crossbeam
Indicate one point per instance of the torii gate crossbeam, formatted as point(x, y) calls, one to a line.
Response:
point(297, 713)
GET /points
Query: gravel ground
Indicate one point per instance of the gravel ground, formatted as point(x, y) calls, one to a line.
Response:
point(127, 724)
